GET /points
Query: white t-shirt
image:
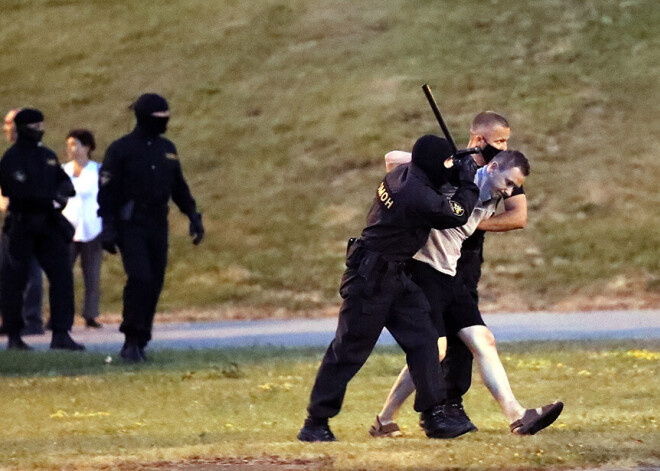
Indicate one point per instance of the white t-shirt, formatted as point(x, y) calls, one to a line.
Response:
point(81, 209)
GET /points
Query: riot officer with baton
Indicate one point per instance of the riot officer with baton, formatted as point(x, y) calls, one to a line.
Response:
point(378, 292)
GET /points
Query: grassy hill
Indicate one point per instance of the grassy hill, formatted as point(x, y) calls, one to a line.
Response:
point(283, 110)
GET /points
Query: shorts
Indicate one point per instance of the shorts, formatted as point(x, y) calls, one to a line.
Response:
point(453, 307)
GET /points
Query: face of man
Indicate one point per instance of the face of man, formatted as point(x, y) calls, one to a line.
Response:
point(37, 126)
point(9, 128)
point(491, 140)
point(497, 137)
point(502, 182)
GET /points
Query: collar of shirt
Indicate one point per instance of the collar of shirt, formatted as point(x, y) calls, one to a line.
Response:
point(480, 180)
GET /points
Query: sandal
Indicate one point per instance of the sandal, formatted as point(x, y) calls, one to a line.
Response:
point(379, 430)
point(535, 420)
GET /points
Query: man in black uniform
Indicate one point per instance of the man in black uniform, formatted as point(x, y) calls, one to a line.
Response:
point(139, 175)
point(377, 291)
point(37, 188)
point(490, 131)
point(33, 295)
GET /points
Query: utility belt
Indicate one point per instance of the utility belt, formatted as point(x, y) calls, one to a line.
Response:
point(371, 266)
point(142, 212)
point(34, 220)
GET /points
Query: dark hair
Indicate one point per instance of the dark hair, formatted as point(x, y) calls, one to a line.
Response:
point(512, 158)
point(85, 137)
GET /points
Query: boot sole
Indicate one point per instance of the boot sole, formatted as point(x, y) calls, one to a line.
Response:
point(451, 433)
point(303, 437)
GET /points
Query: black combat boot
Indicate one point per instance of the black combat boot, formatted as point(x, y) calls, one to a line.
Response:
point(142, 344)
point(316, 430)
point(130, 352)
point(455, 412)
point(436, 424)
point(63, 341)
point(16, 343)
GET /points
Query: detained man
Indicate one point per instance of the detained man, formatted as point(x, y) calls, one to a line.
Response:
point(454, 310)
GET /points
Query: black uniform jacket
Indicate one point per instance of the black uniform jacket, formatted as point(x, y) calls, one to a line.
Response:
point(407, 207)
point(32, 178)
point(139, 175)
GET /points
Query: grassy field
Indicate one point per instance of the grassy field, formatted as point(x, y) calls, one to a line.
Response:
point(76, 411)
point(283, 110)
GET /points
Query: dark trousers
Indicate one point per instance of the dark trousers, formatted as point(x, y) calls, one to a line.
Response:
point(33, 294)
point(36, 237)
point(397, 304)
point(457, 363)
point(91, 255)
point(144, 255)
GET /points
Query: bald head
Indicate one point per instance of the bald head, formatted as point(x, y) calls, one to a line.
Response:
point(486, 121)
point(9, 127)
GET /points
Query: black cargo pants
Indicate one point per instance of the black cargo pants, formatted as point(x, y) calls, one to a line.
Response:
point(144, 255)
point(378, 294)
point(44, 237)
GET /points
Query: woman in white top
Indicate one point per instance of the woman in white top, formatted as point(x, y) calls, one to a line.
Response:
point(81, 213)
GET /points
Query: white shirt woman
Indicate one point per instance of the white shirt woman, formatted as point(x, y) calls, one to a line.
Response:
point(81, 212)
point(81, 209)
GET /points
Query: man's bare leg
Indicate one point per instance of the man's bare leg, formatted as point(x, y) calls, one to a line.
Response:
point(481, 343)
point(402, 389)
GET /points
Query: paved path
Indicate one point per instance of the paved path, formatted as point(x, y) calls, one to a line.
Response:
point(318, 332)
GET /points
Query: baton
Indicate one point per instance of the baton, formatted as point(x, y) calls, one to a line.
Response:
point(438, 116)
point(456, 154)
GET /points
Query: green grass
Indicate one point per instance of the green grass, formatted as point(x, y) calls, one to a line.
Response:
point(282, 111)
point(75, 411)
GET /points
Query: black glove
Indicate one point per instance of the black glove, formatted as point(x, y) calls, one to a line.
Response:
point(467, 168)
point(196, 228)
point(109, 237)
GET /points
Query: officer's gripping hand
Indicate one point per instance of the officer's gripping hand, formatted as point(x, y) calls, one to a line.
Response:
point(467, 168)
point(196, 228)
point(109, 237)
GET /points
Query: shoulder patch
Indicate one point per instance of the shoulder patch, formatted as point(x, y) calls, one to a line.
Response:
point(171, 156)
point(105, 177)
point(51, 162)
point(19, 176)
point(456, 208)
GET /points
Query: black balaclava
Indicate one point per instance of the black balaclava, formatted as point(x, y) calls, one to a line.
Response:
point(144, 106)
point(429, 154)
point(24, 132)
point(489, 152)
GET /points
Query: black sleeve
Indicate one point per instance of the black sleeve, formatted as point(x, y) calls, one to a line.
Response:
point(3, 174)
point(181, 192)
point(519, 190)
point(110, 183)
point(63, 184)
point(442, 212)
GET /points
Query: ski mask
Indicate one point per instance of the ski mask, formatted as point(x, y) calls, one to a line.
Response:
point(144, 107)
point(25, 117)
point(489, 152)
point(429, 154)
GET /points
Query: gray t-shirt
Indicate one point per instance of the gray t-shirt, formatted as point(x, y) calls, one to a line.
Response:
point(443, 247)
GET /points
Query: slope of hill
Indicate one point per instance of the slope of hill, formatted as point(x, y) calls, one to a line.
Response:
point(283, 110)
